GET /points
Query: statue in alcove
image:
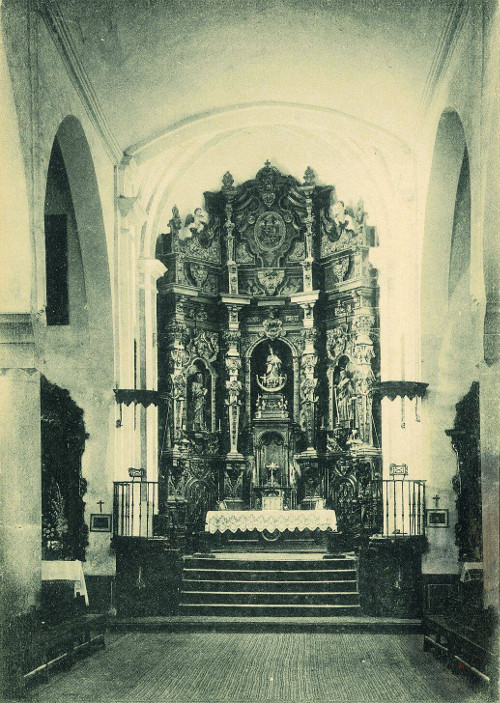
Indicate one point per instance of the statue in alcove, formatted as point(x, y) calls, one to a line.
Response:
point(273, 378)
point(199, 398)
point(344, 391)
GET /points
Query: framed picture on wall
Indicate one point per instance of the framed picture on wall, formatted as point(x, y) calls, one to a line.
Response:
point(101, 522)
point(437, 517)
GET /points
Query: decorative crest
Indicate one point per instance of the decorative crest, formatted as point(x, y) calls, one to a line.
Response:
point(272, 327)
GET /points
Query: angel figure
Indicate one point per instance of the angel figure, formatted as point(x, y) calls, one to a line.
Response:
point(195, 224)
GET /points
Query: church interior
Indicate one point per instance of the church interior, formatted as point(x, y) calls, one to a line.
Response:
point(249, 350)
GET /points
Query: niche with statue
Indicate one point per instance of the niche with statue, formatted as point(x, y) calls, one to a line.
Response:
point(199, 398)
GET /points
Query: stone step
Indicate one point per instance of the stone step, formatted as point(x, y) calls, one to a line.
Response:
point(249, 574)
point(235, 610)
point(268, 585)
point(268, 564)
point(270, 598)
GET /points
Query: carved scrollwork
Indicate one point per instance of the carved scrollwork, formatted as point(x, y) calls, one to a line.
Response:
point(340, 268)
point(204, 345)
point(232, 338)
point(199, 273)
point(270, 279)
point(298, 252)
point(273, 327)
point(337, 340)
point(243, 256)
point(249, 341)
point(292, 285)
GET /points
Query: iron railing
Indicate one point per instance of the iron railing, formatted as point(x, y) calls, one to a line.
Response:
point(394, 507)
point(404, 507)
point(135, 506)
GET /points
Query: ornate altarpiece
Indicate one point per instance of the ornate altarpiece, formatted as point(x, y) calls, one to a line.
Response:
point(268, 352)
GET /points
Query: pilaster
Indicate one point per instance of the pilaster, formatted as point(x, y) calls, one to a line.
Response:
point(20, 463)
point(308, 361)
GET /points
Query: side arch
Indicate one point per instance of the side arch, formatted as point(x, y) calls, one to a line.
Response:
point(450, 345)
point(449, 150)
point(84, 188)
point(79, 356)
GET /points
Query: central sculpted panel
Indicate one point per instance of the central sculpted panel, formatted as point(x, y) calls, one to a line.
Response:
point(270, 231)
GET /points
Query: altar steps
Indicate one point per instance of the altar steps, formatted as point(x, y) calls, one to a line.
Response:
point(270, 587)
point(192, 585)
point(270, 598)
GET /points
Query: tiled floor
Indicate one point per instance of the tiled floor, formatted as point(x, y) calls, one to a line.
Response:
point(210, 667)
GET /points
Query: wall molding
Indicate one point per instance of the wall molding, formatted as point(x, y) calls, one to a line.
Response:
point(444, 51)
point(53, 17)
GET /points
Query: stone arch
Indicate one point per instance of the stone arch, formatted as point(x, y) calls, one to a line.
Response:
point(79, 356)
point(449, 151)
point(449, 347)
point(362, 148)
point(87, 206)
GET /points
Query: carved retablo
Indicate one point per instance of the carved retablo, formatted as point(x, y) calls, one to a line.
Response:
point(269, 347)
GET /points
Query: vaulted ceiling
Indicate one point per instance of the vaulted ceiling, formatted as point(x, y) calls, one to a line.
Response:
point(155, 63)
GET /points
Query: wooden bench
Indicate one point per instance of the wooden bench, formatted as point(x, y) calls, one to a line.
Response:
point(34, 652)
point(464, 647)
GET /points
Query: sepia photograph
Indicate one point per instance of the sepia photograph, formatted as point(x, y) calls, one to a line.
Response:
point(249, 351)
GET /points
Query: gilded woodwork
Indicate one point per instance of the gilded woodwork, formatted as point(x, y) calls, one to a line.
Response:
point(281, 263)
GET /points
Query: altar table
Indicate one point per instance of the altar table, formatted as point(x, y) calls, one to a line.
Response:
point(270, 520)
point(66, 571)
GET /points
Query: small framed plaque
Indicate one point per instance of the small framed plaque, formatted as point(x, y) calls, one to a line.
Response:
point(437, 517)
point(100, 522)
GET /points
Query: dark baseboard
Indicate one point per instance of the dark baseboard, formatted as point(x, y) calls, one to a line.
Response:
point(101, 591)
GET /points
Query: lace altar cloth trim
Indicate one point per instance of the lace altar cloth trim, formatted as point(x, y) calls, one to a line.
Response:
point(233, 520)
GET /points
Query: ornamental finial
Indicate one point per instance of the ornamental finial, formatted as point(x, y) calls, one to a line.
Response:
point(309, 177)
point(227, 181)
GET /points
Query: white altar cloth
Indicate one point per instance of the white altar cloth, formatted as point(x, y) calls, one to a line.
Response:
point(66, 571)
point(233, 520)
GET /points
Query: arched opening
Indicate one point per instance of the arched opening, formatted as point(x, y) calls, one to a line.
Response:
point(261, 358)
point(460, 236)
point(449, 163)
point(77, 344)
point(449, 346)
point(64, 532)
point(64, 281)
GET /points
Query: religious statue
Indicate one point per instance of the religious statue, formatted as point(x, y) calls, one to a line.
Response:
point(338, 213)
point(199, 399)
point(272, 379)
point(343, 395)
point(195, 224)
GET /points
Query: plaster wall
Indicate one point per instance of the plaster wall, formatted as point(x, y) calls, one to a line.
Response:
point(392, 174)
point(452, 328)
point(361, 161)
point(78, 357)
